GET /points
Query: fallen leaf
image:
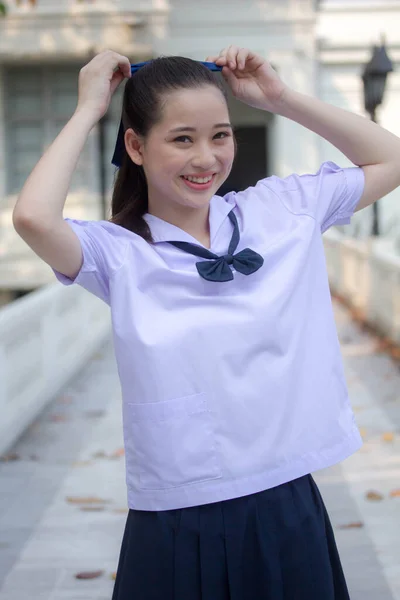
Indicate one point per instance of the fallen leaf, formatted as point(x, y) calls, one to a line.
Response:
point(395, 352)
point(355, 525)
point(388, 436)
point(363, 432)
point(113, 576)
point(100, 454)
point(357, 313)
point(10, 457)
point(118, 453)
point(375, 496)
point(121, 510)
point(79, 390)
point(92, 508)
point(89, 574)
point(391, 397)
point(65, 399)
point(86, 500)
point(384, 344)
point(395, 493)
point(94, 414)
point(58, 418)
point(82, 463)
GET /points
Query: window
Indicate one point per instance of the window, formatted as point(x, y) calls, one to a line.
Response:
point(38, 103)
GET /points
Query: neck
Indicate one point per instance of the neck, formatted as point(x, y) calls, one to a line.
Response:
point(195, 221)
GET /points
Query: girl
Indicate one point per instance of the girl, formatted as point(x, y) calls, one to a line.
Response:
point(229, 362)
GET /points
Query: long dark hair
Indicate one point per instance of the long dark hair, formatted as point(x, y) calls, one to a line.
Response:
point(141, 109)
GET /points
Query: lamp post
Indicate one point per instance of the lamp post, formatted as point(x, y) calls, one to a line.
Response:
point(374, 80)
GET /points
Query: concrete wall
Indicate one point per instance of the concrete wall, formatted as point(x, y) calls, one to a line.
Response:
point(366, 274)
point(45, 339)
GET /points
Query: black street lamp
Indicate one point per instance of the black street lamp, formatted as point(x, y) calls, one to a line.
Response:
point(374, 79)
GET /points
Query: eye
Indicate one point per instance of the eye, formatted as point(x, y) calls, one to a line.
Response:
point(183, 139)
point(221, 135)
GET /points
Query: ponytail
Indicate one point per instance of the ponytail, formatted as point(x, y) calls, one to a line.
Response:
point(129, 200)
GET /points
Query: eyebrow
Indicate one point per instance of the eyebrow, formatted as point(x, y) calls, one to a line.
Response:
point(187, 128)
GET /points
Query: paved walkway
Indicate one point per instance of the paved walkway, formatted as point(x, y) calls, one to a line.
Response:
point(72, 454)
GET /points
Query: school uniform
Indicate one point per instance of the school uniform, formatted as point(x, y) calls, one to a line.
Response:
point(233, 392)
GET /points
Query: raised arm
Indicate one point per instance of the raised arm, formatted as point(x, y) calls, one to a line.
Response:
point(367, 145)
point(38, 213)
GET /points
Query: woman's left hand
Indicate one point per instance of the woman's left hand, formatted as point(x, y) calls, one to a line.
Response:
point(251, 78)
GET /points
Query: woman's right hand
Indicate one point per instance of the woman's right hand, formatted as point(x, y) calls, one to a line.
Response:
point(98, 81)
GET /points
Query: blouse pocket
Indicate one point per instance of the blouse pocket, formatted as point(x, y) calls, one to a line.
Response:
point(173, 442)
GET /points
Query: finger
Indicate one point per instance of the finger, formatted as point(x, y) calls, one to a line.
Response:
point(117, 78)
point(218, 60)
point(124, 70)
point(254, 61)
point(230, 78)
point(118, 61)
point(229, 57)
point(124, 65)
point(232, 57)
point(241, 58)
point(221, 61)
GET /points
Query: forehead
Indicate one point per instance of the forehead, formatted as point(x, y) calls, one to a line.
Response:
point(191, 106)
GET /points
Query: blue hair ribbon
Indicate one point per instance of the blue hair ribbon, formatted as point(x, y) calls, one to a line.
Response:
point(120, 144)
point(210, 65)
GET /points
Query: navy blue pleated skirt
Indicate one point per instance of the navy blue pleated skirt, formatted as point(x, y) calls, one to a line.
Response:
point(273, 545)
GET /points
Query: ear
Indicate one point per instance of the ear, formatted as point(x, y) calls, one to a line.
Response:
point(133, 145)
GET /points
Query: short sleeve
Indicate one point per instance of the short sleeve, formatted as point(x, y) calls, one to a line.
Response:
point(103, 254)
point(330, 196)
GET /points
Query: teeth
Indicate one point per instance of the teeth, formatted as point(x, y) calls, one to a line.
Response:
point(198, 179)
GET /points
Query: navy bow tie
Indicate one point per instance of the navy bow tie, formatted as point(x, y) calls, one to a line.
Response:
point(217, 268)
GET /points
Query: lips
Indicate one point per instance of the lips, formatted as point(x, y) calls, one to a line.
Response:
point(198, 179)
point(195, 182)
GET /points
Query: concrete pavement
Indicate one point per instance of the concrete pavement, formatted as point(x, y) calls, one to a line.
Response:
point(63, 498)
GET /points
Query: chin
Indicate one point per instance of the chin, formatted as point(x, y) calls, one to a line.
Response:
point(196, 200)
point(199, 203)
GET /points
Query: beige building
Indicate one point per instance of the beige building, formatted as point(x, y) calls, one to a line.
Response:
point(317, 47)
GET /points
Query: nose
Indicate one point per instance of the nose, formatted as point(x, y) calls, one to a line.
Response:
point(204, 157)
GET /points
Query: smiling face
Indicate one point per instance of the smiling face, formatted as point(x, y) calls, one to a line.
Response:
point(188, 153)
